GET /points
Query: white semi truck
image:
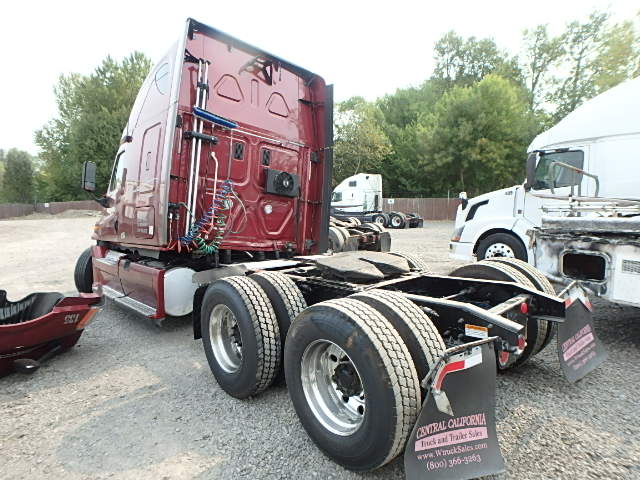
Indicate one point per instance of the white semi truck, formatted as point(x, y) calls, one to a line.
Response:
point(360, 197)
point(601, 137)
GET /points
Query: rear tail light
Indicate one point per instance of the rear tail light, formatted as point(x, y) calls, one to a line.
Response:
point(524, 307)
point(521, 342)
point(504, 357)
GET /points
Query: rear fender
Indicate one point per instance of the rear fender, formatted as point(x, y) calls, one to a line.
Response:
point(195, 315)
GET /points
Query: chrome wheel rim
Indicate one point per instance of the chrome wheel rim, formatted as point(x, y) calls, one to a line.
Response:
point(396, 221)
point(499, 250)
point(333, 387)
point(226, 341)
point(379, 220)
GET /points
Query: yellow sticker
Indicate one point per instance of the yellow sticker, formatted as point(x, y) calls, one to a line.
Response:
point(476, 331)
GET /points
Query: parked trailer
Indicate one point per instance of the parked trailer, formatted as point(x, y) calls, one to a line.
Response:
point(218, 208)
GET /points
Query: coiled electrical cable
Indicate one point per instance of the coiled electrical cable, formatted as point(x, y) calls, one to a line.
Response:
point(214, 219)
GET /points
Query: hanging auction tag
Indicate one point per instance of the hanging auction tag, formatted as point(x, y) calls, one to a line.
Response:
point(455, 435)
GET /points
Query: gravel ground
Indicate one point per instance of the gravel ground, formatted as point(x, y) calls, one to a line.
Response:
point(134, 401)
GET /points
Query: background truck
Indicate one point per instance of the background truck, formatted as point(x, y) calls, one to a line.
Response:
point(595, 241)
point(602, 136)
point(218, 208)
point(359, 197)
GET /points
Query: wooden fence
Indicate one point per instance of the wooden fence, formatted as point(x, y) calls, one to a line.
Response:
point(427, 208)
point(10, 210)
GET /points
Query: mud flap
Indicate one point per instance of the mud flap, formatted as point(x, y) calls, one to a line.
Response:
point(455, 435)
point(579, 349)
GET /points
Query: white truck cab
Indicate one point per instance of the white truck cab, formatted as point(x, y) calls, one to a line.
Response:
point(359, 193)
point(601, 137)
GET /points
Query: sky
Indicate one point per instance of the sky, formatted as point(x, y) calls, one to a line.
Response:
point(366, 48)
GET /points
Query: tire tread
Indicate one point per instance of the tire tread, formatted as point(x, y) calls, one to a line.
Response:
point(397, 363)
point(422, 328)
point(83, 284)
point(265, 327)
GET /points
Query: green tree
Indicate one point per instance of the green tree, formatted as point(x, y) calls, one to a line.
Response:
point(360, 142)
point(18, 178)
point(476, 137)
point(582, 43)
point(597, 56)
point(464, 62)
point(403, 107)
point(541, 54)
point(618, 58)
point(92, 112)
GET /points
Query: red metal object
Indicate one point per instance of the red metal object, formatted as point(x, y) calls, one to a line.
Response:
point(60, 328)
point(142, 283)
point(279, 108)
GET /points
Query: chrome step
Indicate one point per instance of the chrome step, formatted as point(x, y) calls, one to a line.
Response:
point(128, 302)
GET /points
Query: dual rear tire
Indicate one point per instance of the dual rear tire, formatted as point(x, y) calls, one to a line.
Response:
point(539, 332)
point(381, 219)
point(244, 323)
point(397, 220)
point(353, 366)
point(241, 336)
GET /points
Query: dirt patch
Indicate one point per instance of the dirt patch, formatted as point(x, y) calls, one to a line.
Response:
point(48, 216)
point(133, 401)
point(39, 254)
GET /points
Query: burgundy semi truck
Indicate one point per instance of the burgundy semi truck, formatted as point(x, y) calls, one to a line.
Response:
point(218, 208)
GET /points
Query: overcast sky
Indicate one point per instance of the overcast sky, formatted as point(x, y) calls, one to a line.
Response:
point(366, 48)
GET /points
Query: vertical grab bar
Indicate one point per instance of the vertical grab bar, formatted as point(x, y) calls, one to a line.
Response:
point(196, 145)
point(203, 104)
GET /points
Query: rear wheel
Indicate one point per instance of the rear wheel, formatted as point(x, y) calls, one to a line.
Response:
point(83, 274)
point(380, 219)
point(352, 383)
point(414, 326)
point(286, 299)
point(345, 233)
point(397, 220)
point(336, 239)
point(491, 270)
point(534, 275)
point(501, 245)
point(240, 335)
point(541, 282)
point(355, 221)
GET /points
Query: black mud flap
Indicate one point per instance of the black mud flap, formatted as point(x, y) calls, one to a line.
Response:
point(579, 349)
point(455, 435)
